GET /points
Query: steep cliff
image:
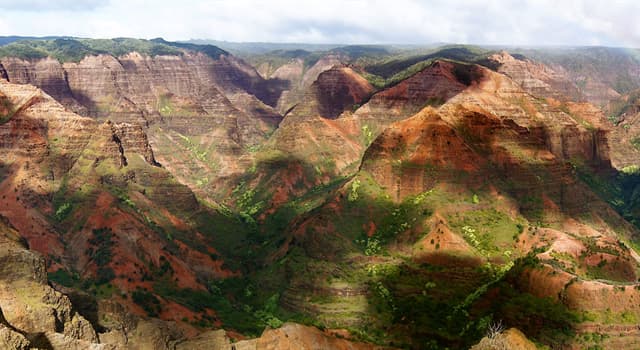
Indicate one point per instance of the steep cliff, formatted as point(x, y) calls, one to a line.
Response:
point(601, 74)
point(334, 91)
point(558, 87)
point(32, 313)
point(537, 78)
point(328, 131)
point(91, 197)
point(624, 116)
point(459, 186)
point(300, 73)
point(206, 110)
point(432, 86)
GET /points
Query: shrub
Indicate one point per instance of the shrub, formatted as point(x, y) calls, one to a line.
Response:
point(102, 241)
point(63, 211)
point(147, 301)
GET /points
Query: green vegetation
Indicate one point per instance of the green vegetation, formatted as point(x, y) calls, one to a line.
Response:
point(101, 254)
point(403, 294)
point(277, 58)
point(6, 110)
point(198, 153)
point(97, 288)
point(490, 231)
point(345, 246)
point(247, 204)
point(74, 50)
point(234, 301)
point(65, 202)
point(389, 71)
point(63, 211)
point(367, 134)
point(65, 278)
point(168, 107)
point(149, 303)
point(353, 194)
point(621, 190)
point(421, 300)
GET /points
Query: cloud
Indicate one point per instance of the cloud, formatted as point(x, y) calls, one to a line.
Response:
point(517, 22)
point(49, 5)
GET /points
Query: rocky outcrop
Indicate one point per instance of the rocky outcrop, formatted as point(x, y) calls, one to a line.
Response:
point(10, 339)
point(293, 336)
point(536, 78)
point(601, 74)
point(625, 135)
point(336, 146)
point(600, 142)
point(432, 86)
point(133, 86)
point(334, 91)
point(62, 170)
point(222, 102)
point(461, 146)
point(5, 108)
point(133, 138)
point(567, 130)
point(34, 315)
point(434, 146)
point(340, 143)
point(482, 140)
point(300, 78)
point(217, 339)
point(579, 294)
point(30, 307)
point(511, 339)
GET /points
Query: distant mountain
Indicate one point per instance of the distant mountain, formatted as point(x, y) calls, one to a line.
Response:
point(252, 48)
point(71, 49)
point(9, 39)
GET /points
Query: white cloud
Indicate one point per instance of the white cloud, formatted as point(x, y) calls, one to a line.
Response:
point(49, 5)
point(519, 22)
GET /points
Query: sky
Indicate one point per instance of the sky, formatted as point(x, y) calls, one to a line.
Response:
point(485, 22)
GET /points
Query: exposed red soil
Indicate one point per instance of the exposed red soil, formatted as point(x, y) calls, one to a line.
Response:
point(441, 241)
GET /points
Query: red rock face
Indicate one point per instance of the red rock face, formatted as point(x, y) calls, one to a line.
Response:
point(599, 75)
point(537, 78)
point(336, 90)
point(200, 114)
point(433, 85)
point(602, 140)
point(50, 152)
point(134, 84)
point(403, 157)
point(193, 92)
point(29, 304)
point(308, 135)
point(413, 155)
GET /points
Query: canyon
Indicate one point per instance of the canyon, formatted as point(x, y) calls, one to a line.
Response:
point(159, 195)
